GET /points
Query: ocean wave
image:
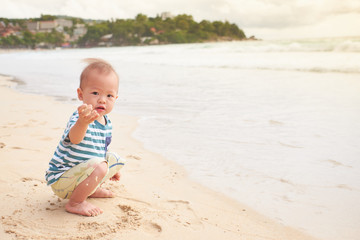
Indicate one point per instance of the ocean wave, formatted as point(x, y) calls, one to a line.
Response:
point(310, 45)
point(348, 46)
point(314, 69)
point(296, 68)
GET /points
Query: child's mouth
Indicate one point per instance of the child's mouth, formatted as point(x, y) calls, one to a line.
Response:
point(100, 109)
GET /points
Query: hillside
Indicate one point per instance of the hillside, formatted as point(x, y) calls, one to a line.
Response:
point(61, 31)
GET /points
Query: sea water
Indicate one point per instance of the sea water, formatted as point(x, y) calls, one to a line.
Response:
point(273, 124)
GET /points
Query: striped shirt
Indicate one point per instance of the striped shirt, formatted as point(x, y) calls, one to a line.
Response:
point(68, 155)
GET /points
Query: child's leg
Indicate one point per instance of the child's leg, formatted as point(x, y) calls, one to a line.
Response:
point(115, 163)
point(83, 180)
point(77, 203)
point(102, 193)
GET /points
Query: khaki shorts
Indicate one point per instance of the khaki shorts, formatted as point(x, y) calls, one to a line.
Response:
point(66, 184)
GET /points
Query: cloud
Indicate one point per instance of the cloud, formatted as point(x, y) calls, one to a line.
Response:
point(251, 13)
point(92, 9)
point(291, 13)
point(260, 16)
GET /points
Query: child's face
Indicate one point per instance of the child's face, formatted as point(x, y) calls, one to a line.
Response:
point(99, 90)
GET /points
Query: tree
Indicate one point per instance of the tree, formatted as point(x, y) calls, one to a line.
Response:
point(219, 28)
point(54, 37)
point(176, 37)
point(45, 17)
point(235, 31)
point(183, 21)
point(206, 26)
point(29, 39)
point(141, 18)
point(94, 34)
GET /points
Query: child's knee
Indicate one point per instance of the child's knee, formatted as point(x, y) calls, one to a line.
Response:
point(101, 169)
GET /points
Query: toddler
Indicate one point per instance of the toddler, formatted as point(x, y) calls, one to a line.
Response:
point(81, 162)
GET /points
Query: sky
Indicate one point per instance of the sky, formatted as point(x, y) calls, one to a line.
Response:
point(265, 19)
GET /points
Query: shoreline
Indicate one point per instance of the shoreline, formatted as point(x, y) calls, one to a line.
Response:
point(155, 197)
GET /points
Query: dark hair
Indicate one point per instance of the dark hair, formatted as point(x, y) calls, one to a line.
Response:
point(96, 64)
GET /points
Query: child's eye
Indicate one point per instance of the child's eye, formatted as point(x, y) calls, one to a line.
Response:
point(95, 93)
point(110, 96)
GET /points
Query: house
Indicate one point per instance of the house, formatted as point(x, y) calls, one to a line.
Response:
point(149, 40)
point(166, 15)
point(7, 33)
point(79, 31)
point(106, 37)
point(33, 26)
point(47, 26)
point(64, 23)
point(106, 40)
point(156, 32)
point(9, 29)
point(2, 27)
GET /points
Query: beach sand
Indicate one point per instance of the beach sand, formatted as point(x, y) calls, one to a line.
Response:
point(154, 198)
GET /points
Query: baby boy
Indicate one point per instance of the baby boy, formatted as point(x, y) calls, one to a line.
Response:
point(81, 162)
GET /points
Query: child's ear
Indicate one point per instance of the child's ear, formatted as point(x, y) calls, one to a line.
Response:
point(80, 94)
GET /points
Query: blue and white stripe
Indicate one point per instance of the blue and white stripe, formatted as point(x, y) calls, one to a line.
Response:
point(68, 155)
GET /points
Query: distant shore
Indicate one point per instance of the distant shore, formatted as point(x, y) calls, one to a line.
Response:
point(218, 40)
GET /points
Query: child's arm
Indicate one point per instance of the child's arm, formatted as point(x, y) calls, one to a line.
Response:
point(86, 116)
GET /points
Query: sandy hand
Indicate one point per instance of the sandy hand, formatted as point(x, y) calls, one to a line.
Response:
point(87, 114)
point(116, 177)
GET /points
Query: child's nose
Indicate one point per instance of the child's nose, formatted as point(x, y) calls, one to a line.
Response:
point(102, 99)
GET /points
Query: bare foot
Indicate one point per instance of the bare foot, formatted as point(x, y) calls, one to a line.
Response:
point(83, 208)
point(102, 193)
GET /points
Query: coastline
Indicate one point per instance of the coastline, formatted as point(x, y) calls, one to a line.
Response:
point(155, 198)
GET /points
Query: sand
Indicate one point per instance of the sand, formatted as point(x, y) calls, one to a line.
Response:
point(154, 199)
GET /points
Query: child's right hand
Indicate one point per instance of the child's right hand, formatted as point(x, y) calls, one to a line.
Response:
point(86, 114)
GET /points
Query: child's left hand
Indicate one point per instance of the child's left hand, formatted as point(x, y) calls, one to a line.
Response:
point(116, 177)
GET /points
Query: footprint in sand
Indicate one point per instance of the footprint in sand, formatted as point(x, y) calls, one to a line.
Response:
point(46, 138)
point(289, 145)
point(26, 179)
point(9, 125)
point(184, 214)
point(133, 218)
point(137, 201)
point(28, 149)
point(17, 148)
point(127, 219)
point(134, 157)
point(273, 122)
point(152, 227)
point(33, 183)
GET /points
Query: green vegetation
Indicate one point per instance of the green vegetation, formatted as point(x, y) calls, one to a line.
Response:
point(142, 30)
point(28, 39)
